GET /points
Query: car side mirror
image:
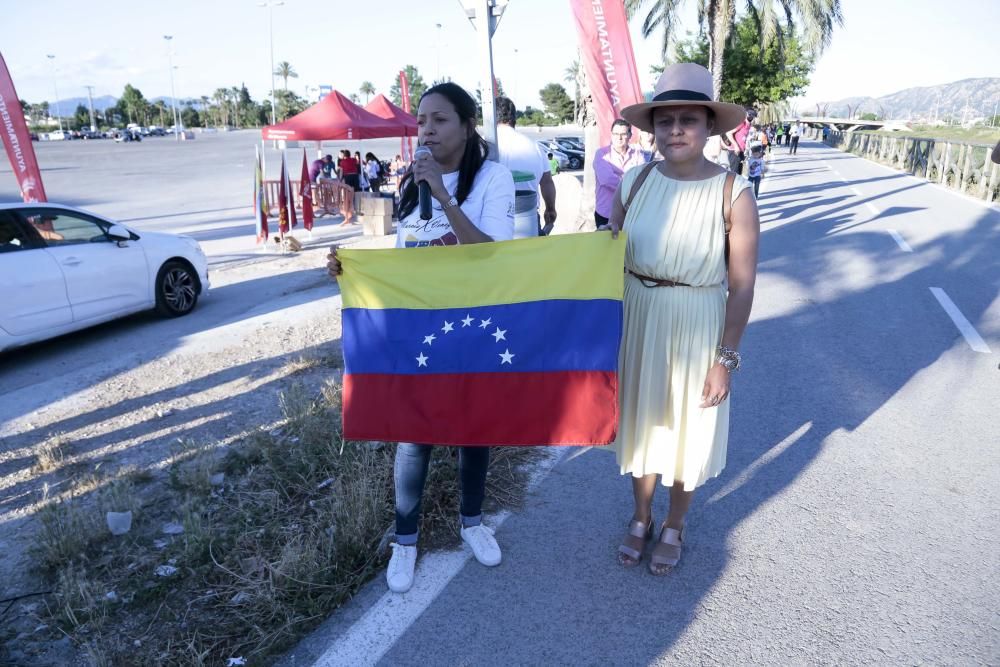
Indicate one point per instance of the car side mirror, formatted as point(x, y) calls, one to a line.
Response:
point(119, 233)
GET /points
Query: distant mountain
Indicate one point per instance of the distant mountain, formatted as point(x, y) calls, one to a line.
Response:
point(959, 100)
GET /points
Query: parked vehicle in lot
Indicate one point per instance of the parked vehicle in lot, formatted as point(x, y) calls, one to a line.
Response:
point(574, 143)
point(561, 157)
point(127, 135)
point(569, 146)
point(59, 135)
point(64, 269)
point(155, 131)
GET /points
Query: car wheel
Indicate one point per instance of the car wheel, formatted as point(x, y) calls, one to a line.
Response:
point(575, 163)
point(176, 289)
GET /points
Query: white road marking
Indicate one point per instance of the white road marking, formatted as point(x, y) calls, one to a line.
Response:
point(372, 635)
point(900, 241)
point(856, 191)
point(871, 207)
point(965, 327)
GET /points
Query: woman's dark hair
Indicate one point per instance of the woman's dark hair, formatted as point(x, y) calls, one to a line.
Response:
point(473, 158)
point(369, 156)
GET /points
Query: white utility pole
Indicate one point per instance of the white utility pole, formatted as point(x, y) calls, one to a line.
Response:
point(90, 100)
point(52, 59)
point(485, 16)
point(270, 5)
point(173, 96)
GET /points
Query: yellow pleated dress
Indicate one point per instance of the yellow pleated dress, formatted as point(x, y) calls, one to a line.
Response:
point(676, 231)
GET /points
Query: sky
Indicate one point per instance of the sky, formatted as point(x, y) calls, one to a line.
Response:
point(884, 46)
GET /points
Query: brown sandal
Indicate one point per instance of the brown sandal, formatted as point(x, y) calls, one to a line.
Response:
point(666, 552)
point(630, 551)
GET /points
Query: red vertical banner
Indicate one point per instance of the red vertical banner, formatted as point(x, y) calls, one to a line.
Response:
point(305, 189)
point(404, 93)
point(17, 141)
point(259, 199)
point(608, 59)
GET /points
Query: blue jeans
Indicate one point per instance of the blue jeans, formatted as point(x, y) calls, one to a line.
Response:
point(410, 472)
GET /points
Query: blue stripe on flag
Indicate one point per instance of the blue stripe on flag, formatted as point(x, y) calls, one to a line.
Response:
point(556, 335)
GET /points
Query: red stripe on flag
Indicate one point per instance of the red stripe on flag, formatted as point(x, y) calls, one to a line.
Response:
point(549, 408)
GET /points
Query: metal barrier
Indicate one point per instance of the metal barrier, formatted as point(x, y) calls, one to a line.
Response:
point(330, 197)
point(959, 165)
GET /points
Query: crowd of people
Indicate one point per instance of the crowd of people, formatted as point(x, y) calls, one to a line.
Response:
point(361, 173)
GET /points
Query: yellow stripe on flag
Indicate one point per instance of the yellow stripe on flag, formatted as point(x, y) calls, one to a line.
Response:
point(568, 266)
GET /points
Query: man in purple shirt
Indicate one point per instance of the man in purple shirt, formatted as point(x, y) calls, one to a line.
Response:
point(610, 164)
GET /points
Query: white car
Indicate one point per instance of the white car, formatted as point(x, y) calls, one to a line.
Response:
point(63, 269)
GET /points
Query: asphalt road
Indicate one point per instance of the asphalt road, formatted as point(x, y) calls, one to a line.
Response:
point(857, 519)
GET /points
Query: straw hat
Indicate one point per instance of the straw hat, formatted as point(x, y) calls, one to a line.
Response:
point(682, 85)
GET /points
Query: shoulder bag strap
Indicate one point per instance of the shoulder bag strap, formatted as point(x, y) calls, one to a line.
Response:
point(639, 180)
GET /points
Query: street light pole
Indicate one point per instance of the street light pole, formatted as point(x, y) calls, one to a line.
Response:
point(173, 96)
point(90, 101)
point(271, 4)
point(55, 87)
point(438, 52)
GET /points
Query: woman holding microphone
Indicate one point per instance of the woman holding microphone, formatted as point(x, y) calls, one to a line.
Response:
point(472, 201)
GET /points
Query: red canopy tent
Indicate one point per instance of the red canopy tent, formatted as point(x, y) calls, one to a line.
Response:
point(383, 108)
point(333, 118)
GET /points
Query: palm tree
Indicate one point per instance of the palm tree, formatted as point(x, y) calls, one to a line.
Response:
point(367, 89)
point(284, 70)
point(571, 75)
point(816, 20)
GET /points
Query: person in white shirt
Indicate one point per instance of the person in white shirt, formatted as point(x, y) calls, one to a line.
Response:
point(523, 154)
point(473, 202)
point(795, 131)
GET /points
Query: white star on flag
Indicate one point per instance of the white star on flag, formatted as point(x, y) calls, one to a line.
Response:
point(428, 340)
point(422, 360)
point(487, 322)
point(506, 356)
point(467, 322)
point(447, 327)
point(499, 334)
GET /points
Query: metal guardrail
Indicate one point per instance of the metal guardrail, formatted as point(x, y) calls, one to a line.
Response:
point(962, 166)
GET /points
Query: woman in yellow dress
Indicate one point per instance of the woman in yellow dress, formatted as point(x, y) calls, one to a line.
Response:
point(691, 264)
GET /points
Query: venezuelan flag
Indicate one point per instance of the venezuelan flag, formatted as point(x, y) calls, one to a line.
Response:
point(511, 343)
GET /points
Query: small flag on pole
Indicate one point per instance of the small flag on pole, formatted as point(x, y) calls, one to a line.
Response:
point(307, 197)
point(259, 200)
point(283, 199)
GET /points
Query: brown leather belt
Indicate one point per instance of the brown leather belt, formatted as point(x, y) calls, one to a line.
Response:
point(656, 282)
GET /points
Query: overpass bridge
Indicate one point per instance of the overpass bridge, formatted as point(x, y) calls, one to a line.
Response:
point(849, 124)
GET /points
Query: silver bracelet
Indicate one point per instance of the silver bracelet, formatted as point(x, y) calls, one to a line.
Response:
point(729, 358)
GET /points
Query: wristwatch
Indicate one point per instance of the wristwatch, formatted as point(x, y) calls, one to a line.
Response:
point(729, 358)
point(451, 203)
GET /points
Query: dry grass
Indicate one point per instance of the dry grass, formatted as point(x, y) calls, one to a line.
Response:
point(51, 454)
point(294, 530)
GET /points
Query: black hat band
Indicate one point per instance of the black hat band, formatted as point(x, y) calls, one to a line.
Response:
point(682, 95)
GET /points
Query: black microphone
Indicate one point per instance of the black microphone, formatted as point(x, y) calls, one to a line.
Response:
point(423, 189)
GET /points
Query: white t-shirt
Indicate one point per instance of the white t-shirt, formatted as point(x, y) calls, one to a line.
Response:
point(796, 130)
point(521, 153)
point(490, 207)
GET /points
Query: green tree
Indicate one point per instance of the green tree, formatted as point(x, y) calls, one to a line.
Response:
point(751, 75)
point(190, 117)
point(284, 70)
point(417, 87)
point(133, 105)
point(288, 104)
point(558, 103)
point(81, 117)
point(367, 89)
point(812, 21)
point(868, 116)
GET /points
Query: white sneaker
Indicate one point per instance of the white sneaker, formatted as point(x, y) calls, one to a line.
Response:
point(484, 546)
point(399, 576)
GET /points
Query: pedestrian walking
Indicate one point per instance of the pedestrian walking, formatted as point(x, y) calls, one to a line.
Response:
point(685, 306)
point(349, 169)
point(553, 164)
point(473, 202)
point(755, 169)
point(796, 130)
point(736, 139)
point(787, 127)
point(373, 172)
point(610, 164)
